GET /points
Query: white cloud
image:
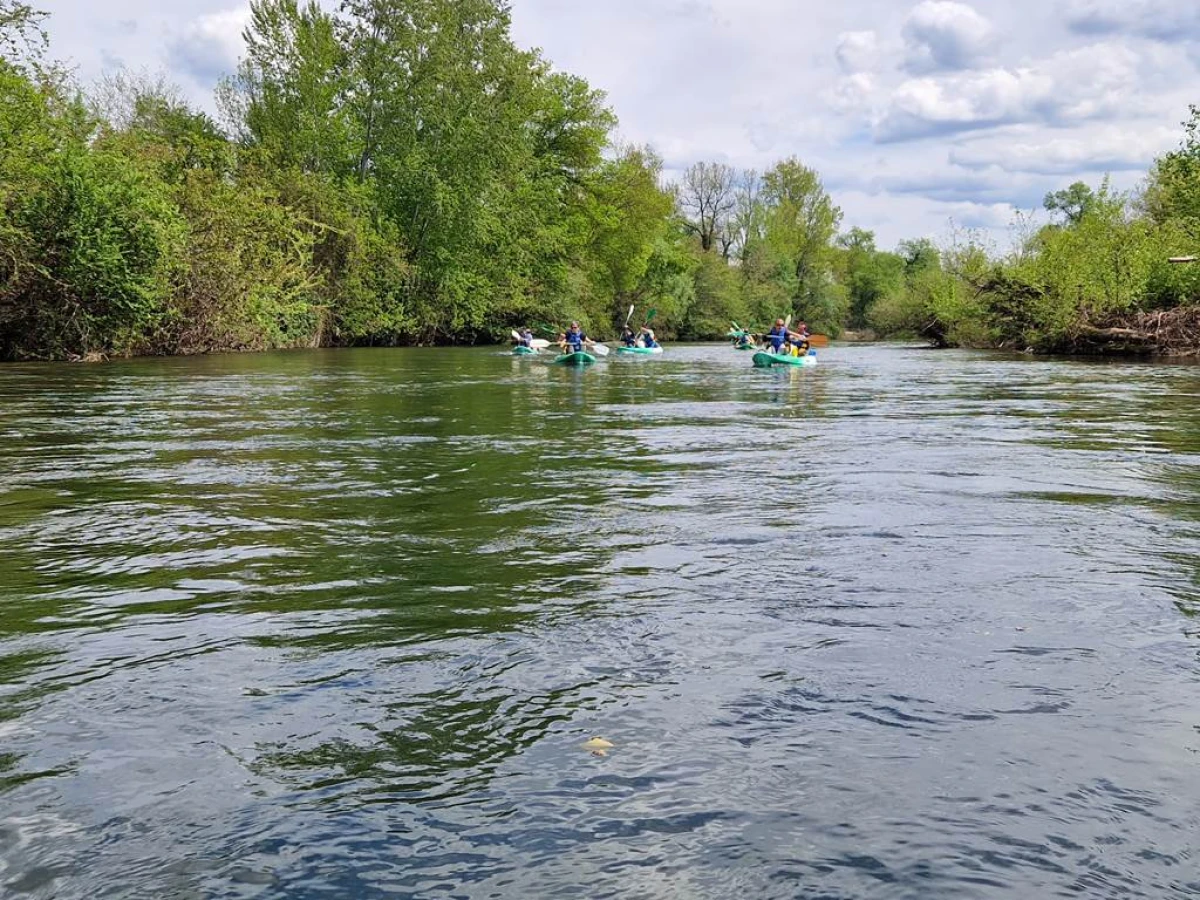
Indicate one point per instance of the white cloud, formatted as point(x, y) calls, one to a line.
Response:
point(1085, 151)
point(210, 46)
point(942, 35)
point(1171, 21)
point(1068, 87)
point(858, 51)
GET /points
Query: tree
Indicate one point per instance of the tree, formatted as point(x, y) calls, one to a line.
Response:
point(289, 95)
point(801, 222)
point(747, 225)
point(23, 39)
point(629, 212)
point(919, 255)
point(1072, 203)
point(1173, 187)
point(867, 274)
point(706, 201)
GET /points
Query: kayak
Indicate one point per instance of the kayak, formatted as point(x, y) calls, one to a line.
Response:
point(763, 360)
point(744, 347)
point(575, 359)
point(639, 351)
point(524, 351)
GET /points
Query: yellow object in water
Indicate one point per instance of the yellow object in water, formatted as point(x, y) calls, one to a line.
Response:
point(599, 746)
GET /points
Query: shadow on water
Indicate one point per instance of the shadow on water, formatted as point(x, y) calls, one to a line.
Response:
point(338, 623)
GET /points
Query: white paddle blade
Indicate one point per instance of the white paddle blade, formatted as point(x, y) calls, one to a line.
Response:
point(515, 334)
point(539, 343)
point(600, 349)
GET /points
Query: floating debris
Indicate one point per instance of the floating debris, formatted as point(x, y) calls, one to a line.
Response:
point(598, 746)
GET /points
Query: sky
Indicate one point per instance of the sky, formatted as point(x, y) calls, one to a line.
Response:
point(924, 118)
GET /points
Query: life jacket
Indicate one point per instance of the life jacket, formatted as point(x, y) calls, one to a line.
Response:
point(778, 335)
point(576, 339)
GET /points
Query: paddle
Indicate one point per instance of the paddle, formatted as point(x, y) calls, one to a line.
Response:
point(600, 349)
point(628, 317)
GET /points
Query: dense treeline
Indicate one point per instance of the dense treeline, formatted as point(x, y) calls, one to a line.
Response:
point(398, 172)
point(401, 172)
point(1113, 272)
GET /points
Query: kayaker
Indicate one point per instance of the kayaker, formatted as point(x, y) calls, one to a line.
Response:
point(526, 338)
point(647, 338)
point(628, 338)
point(778, 336)
point(798, 340)
point(574, 340)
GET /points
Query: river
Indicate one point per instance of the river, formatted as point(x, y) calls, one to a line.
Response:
point(338, 624)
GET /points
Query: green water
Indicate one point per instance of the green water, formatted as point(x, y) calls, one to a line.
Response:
point(337, 624)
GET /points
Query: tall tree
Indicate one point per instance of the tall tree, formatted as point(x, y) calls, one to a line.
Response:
point(707, 201)
point(747, 224)
point(288, 97)
point(867, 274)
point(1072, 203)
point(801, 222)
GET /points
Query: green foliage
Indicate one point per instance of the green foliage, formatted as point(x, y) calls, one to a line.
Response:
point(801, 223)
point(1073, 203)
point(867, 275)
point(714, 302)
point(1173, 189)
point(104, 250)
point(23, 38)
point(399, 171)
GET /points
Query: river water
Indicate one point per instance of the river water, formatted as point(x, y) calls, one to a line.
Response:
point(337, 624)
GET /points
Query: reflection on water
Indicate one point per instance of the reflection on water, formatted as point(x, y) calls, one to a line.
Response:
point(909, 624)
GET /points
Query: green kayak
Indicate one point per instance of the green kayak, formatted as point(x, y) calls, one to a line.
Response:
point(745, 347)
point(767, 360)
point(524, 351)
point(575, 359)
point(638, 351)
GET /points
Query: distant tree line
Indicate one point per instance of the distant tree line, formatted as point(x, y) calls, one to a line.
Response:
point(400, 172)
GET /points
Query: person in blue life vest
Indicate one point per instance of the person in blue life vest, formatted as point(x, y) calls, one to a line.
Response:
point(628, 338)
point(647, 338)
point(777, 336)
point(574, 340)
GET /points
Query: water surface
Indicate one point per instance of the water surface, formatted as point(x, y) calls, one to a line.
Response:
point(337, 624)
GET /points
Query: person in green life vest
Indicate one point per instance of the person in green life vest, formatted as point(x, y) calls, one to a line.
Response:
point(647, 338)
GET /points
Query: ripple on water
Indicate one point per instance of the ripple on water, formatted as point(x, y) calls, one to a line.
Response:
point(340, 624)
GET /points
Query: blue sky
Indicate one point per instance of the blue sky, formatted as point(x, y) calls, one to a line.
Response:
point(917, 114)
